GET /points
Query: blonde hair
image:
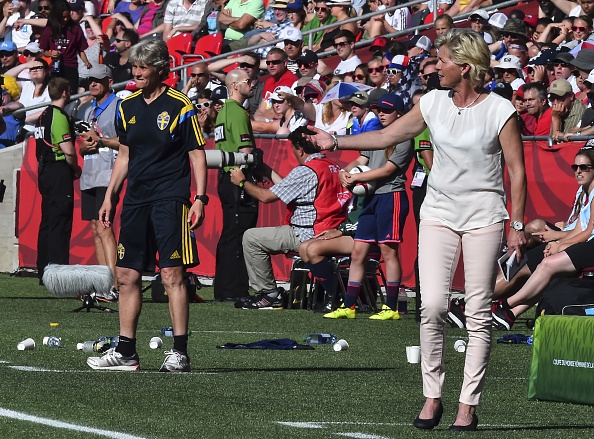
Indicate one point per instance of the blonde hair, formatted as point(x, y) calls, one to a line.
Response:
point(467, 47)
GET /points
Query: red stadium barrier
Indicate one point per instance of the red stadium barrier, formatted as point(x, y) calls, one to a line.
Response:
point(551, 188)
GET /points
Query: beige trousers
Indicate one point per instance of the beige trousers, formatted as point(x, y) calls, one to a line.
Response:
point(439, 251)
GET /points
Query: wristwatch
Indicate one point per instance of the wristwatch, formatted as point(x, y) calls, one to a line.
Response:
point(242, 183)
point(517, 225)
point(203, 198)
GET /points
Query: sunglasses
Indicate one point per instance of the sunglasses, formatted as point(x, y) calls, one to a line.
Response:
point(277, 101)
point(198, 75)
point(579, 29)
point(475, 19)
point(321, 9)
point(342, 44)
point(97, 80)
point(511, 71)
point(34, 69)
point(306, 65)
point(379, 69)
point(117, 40)
point(310, 97)
point(554, 97)
point(359, 77)
point(393, 72)
point(583, 168)
point(43, 8)
point(28, 53)
point(275, 62)
point(292, 43)
point(5, 53)
point(560, 64)
point(245, 65)
point(247, 81)
point(203, 105)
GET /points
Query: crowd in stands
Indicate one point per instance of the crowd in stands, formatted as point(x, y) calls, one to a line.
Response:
point(542, 63)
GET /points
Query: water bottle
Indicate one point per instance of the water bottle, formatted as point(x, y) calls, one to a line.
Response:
point(93, 346)
point(52, 341)
point(402, 301)
point(321, 339)
point(56, 64)
point(529, 340)
point(111, 341)
point(167, 331)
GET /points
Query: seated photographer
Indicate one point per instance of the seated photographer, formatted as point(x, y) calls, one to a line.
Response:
point(316, 201)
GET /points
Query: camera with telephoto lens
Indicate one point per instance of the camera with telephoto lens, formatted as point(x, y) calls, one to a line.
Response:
point(220, 159)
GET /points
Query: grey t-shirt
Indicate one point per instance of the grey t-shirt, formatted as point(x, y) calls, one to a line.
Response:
point(401, 157)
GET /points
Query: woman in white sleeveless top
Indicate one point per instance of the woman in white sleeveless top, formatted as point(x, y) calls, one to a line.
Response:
point(464, 209)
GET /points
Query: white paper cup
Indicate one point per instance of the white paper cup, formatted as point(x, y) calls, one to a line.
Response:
point(413, 354)
point(341, 345)
point(460, 346)
point(28, 343)
point(155, 343)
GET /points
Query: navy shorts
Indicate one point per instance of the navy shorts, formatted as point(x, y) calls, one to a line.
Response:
point(158, 227)
point(91, 201)
point(382, 218)
point(581, 255)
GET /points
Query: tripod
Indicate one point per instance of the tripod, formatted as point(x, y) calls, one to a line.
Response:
point(90, 302)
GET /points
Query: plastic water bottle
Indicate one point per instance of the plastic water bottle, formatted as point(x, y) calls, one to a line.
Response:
point(402, 301)
point(321, 339)
point(111, 341)
point(93, 346)
point(529, 340)
point(57, 63)
point(53, 341)
point(167, 331)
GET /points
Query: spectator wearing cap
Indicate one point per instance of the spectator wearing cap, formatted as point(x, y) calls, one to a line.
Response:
point(322, 17)
point(389, 22)
point(566, 110)
point(510, 70)
point(181, 16)
point(292, 44)
point(237, 18)
point(363, 118)
point(250, 62)
point(276, 61)
point(330, 116)
point(526, 120)
point(535, 100)
point(400, 79)
point(541, 69)
point(287, 118)
point(98, 47)
point(63, 40)
point(32, 52)
point(418, 46)
point(521, 51)
point(273, 30)
point(99, 149)
point(20, 35)
point(479, 22)
point(514, 31)
point(583, 62)
point(564, 70)
point(218, 97)
point(345, 48)
point(8, 55)
point(307, 64)
point(118, 60)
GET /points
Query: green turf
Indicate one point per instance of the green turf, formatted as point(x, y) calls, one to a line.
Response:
point(369, 389)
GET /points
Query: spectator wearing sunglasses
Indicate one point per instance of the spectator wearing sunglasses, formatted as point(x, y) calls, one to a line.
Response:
point(8, 55)
point(513, 31)
point(322, 17)
point(510, 71)
point(377, 73)
point(118, 60)
point(276, 61)
point(32, 52)
point(207, 117)
point(199, 81)
point(541, 69)
point(344, 42)
point(363, 118)
point(564, 70)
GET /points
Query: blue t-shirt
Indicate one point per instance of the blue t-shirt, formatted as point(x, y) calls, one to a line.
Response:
point(125, 7)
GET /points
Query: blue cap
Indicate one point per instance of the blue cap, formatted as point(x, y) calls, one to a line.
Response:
point(295, 5)
point(219, 94)
point(391, 101)
point(8, 46)
point(76, 5)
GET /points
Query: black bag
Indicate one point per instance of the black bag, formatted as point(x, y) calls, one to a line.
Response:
point(159, 295)
point(566, 296)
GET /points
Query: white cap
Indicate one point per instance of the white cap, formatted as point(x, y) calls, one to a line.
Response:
point(79, 346)
point(590, 79)
point(498, 19)
point(290, 33)
point(281, 89)
point(481, 13)
point(511, 62)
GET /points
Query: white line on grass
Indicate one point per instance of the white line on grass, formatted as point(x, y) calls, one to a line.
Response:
point(362, 436)
point(41, 369)
point(58, 424)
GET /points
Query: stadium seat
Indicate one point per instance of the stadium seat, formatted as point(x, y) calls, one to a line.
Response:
point(178, 46)
point(429, 18)
point(105, 23)
point(209, 45)
point(104, 6)
point(418, 17)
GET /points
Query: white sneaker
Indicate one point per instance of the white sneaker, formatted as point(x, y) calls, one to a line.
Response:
point(113, 360)
point(111, 296)
point(175, 361)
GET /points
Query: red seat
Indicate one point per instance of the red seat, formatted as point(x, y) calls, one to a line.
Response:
point(179, 45)
point(209, 45)
point(429, 18)
point(105, 23)
point(104, 6)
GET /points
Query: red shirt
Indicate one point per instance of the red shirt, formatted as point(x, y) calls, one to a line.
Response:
point(543, 123)
point(287, 79)
point(528, 124)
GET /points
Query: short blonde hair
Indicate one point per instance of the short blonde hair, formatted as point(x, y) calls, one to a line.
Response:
point(467, 47)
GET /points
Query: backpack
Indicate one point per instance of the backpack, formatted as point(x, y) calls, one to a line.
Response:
point(568, 296)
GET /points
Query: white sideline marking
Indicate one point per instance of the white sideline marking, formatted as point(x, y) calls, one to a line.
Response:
point(58, 424)
point(40, 369)
point(362, 436)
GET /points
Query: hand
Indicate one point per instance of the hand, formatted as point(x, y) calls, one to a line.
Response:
point(547, 235)
point(196, 215)
point(237, 175)
point(267, 36)
point(516, 240)
point(76, 172)
point(18, 24)
point(202, 118)
point(104, 213)
point(558, 136)
point(328, 234)
point(88, 65)
point(88, 146)
point(540, 74)
point(55, 53)
point(552, 248)
point(559, 110)
point(322, 139)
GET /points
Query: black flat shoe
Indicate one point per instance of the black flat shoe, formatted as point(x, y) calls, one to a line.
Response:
point(429, 424)
point(470, 427)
